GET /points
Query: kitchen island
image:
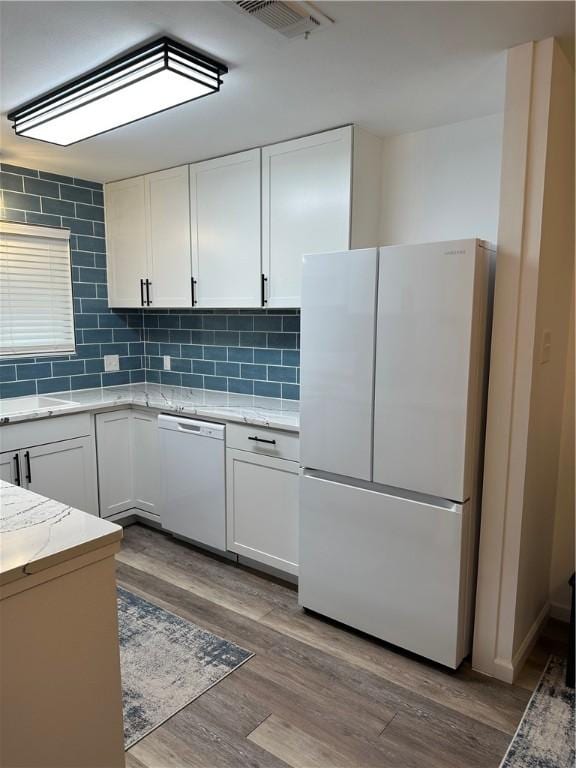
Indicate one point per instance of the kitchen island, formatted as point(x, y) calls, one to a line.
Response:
point(61, 696)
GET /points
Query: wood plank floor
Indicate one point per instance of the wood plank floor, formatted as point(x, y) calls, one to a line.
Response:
point(315, 695)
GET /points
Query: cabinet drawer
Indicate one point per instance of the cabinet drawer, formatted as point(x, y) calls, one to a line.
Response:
point(270, 442)
point(42, 431)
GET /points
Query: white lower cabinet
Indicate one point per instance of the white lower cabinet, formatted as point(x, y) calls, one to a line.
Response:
point(128, 461)
point(146, 461)
point(262, 508)
point(122, 475)
point(8, 469)
point(61, 469)
point(64, 471)
point(114, 447)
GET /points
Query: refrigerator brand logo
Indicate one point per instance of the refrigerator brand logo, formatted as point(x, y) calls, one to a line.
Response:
point(454, 253)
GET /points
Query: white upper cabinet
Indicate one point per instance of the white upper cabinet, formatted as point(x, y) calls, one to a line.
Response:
point(148, 241)
point(168, 220)
point(320, 194)
point(306, 192)
point(126, 246)
point(225, 223)
point(231, 232)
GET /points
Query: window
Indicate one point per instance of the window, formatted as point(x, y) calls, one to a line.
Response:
point(36, 309)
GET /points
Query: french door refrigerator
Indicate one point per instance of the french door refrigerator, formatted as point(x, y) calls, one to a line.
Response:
point(393, 373)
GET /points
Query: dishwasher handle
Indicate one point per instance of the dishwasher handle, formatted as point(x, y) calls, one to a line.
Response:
point(191, 426)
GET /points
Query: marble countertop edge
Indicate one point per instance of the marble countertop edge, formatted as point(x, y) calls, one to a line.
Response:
point(207, 404)
point(38, 533)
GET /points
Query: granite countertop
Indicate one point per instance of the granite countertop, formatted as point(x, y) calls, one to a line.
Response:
point(222, 406)
point(38, 533)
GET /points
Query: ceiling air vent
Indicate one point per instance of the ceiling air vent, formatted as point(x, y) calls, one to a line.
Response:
point(291, 19)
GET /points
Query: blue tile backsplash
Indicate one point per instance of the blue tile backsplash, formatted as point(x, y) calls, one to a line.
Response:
point(35, 197)
point(244, 351)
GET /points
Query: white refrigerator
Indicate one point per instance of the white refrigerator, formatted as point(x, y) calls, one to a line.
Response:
point(393, 378)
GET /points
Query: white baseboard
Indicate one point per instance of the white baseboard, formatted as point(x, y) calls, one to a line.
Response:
point(527, 644)
point(560, 612)
point(508, 670)
point(133, 515)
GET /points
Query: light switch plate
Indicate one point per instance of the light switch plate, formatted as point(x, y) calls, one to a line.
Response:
point(111, 363)
point(167, 365)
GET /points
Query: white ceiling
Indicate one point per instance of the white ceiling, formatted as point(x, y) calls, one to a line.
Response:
point(392, 67)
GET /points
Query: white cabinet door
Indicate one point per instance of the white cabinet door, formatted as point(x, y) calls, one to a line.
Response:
point(126, 241)
point(115, 476)
point(8, 467)
point(337, 400)
point(168, 221)
point(306, 200)
point(262, 509)
point(64, 471)
point(146, 461)
point(225, 218)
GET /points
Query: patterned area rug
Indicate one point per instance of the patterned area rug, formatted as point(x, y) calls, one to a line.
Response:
point(166, 663)
point(545, 736)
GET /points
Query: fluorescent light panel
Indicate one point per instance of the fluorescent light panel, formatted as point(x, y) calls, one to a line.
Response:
point(156, 77)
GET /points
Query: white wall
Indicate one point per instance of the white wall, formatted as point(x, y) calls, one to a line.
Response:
point(548, 378)
point(535, 263)
point(563, 545)
point(442, 183)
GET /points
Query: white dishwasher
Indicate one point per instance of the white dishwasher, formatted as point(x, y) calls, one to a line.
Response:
point(193, 479)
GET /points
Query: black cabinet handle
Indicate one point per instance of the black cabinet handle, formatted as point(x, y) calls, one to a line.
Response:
point(28, 469)
point(141, 292)
point(263, 281)
point(148, 283)
point(193, 283)
point(261, 440)
point(17, 463)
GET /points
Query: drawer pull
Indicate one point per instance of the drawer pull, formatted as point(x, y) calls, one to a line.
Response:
point(262, 440)
point(17, 476)
point(28, 468)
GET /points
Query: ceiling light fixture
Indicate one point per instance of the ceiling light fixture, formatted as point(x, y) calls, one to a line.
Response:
point(151, 79)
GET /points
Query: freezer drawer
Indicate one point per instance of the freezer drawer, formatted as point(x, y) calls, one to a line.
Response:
point(393, 567)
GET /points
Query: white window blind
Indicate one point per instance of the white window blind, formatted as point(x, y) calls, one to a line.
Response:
point(36, 308)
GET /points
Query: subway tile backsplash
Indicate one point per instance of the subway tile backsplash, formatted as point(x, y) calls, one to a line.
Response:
point(35, 197)
point(243, 351)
